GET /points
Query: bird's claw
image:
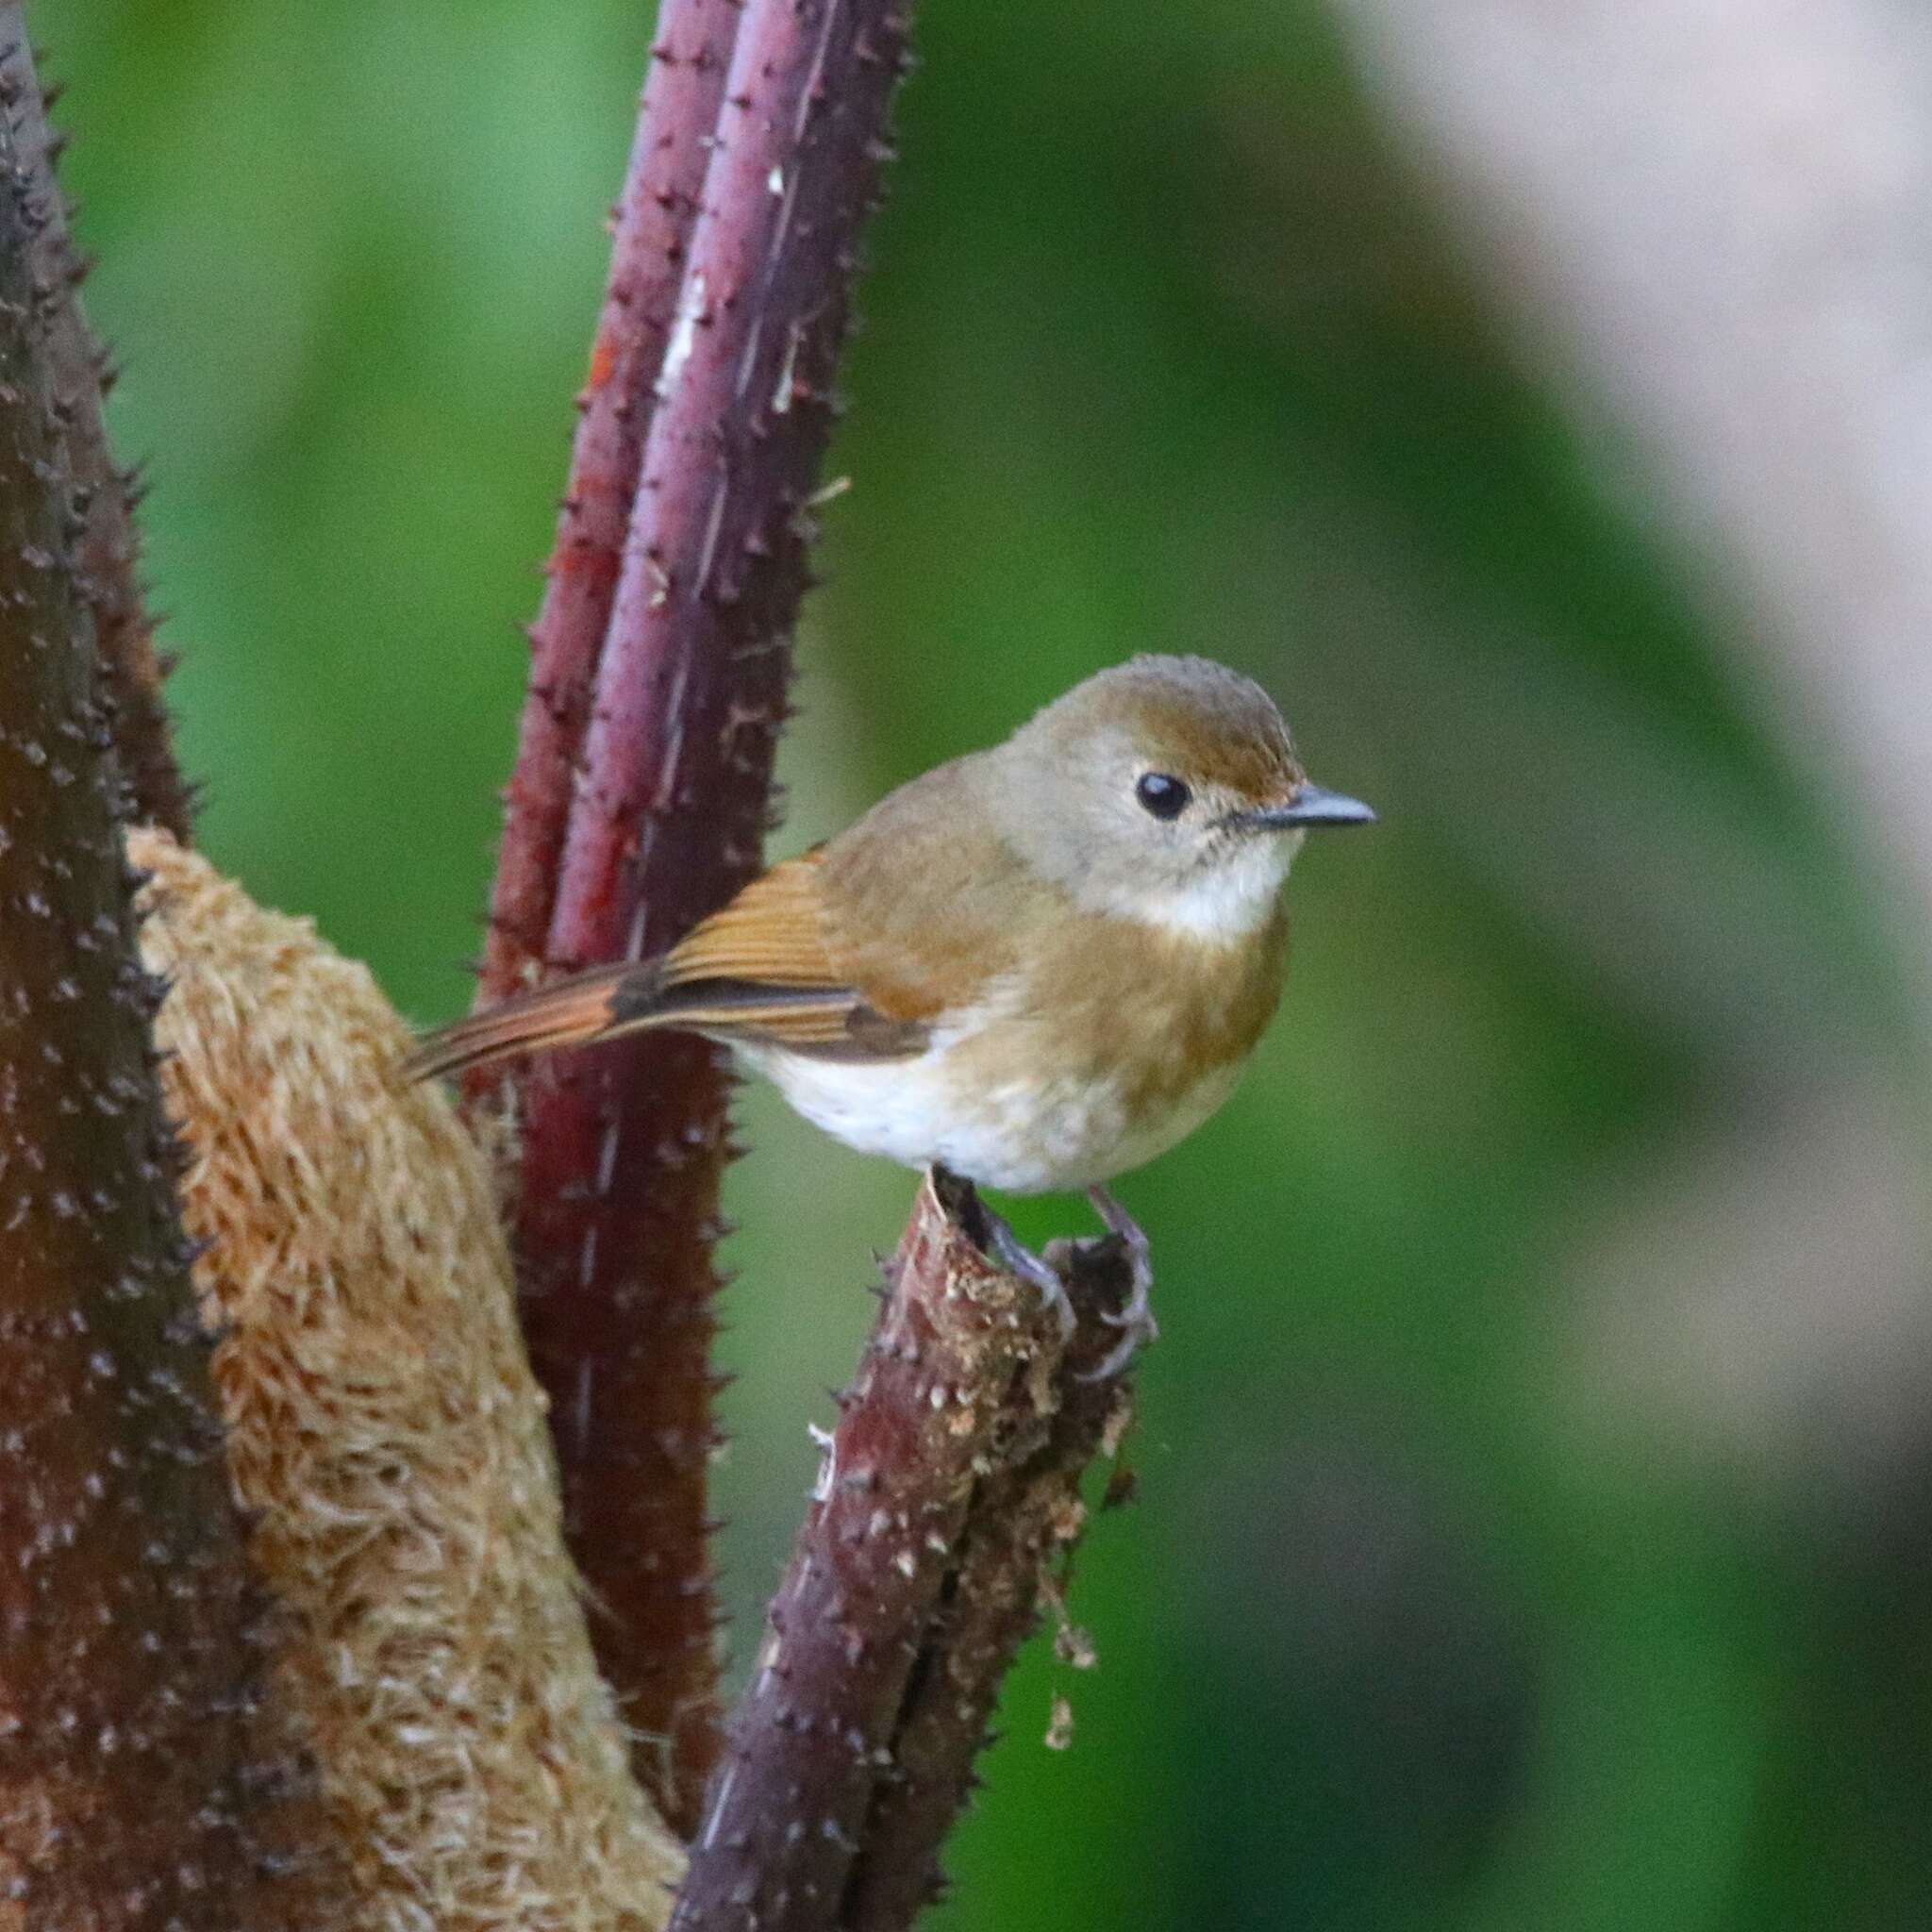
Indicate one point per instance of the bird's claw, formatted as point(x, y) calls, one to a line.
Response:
point(1137, 1336)
point(1012, 1251)
point(1136, 1317)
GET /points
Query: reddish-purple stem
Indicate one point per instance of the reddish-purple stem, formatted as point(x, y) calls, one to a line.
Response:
point(1021, 1527)
point(948, 1488)
point(622, 1152)
point(714, 566)
point(650, 239)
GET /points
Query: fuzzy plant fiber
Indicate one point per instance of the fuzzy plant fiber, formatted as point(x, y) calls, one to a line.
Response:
point(388, 1441)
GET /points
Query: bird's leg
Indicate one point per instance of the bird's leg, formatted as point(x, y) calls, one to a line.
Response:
point(1012, 1251)
point(1136, 1317)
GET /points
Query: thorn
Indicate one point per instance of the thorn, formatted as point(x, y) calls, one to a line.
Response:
point(827, 493)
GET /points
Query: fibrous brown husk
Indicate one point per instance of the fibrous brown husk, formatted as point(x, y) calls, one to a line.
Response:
point(389, 1441)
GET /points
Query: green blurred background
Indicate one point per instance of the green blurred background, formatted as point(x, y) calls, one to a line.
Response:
point(1534, 1508)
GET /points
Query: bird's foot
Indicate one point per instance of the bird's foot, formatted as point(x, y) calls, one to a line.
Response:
point(1135, 1318)
point(1012, 1251)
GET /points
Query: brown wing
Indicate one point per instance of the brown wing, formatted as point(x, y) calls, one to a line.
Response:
point(924, 905)
point(769, 935)
point(863, 943)
point(761, 969)
point(758, 970)
point(849, 951)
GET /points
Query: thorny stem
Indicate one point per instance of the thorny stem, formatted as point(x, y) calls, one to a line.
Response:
point(1024, 1518)
point(650, 239)
point(136, 1790)
point(623, 1152)
point(107, 552)
point(949, 1490)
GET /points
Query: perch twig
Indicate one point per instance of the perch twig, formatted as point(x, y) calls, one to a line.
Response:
point(949, 1491)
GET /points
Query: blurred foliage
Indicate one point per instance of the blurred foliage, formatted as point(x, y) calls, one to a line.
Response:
point(1463, 1590)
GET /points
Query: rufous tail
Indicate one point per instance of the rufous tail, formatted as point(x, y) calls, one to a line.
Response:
point(568, 1013)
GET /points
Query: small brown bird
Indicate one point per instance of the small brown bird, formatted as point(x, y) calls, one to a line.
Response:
point(1037, 966)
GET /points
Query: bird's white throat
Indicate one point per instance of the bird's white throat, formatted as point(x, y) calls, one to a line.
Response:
point(1230, 900)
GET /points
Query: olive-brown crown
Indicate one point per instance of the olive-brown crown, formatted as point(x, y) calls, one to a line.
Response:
point(1136, 791)
point(1206, 724)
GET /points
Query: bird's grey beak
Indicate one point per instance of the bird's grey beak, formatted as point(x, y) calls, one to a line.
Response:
point(1311, 806)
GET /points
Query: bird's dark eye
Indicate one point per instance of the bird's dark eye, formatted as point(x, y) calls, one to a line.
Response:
point(1165, 797)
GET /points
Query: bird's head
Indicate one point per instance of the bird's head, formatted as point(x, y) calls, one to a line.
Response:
point(1165, 789)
